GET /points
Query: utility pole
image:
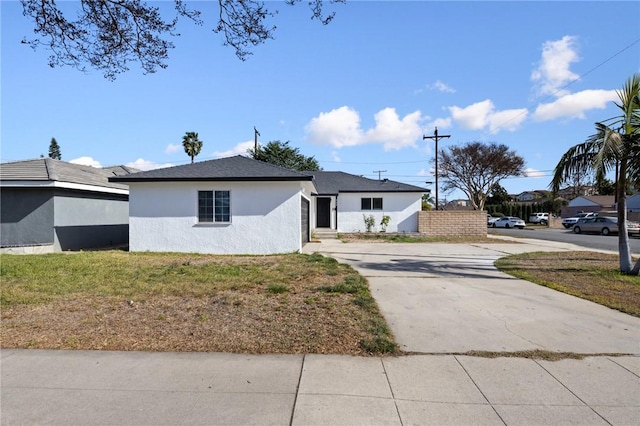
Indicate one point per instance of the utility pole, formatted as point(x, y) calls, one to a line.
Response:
point(256, 133)
point(378, 172)
point(436, 137)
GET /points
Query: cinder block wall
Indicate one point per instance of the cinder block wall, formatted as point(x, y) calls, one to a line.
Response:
point(453, 223)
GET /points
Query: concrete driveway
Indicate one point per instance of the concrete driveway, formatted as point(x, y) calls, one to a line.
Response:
point(449, 298)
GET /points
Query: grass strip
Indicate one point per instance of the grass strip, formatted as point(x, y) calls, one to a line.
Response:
point(589, 275)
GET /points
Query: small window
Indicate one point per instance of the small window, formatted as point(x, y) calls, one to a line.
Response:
point(214, 206)
point(371, 204)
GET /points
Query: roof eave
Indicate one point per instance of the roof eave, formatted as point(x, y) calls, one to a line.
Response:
point(213, 179)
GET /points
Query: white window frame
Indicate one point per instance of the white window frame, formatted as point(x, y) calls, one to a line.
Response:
point(372, 204)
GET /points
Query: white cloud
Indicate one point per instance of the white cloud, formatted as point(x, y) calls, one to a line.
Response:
point(426, 173)
point(86, 161)
point(575, 105)
point(144, 165)
point(533, 173)
point(335, 157)
point(553, 72)
point(341, 127)
point(483, 114)
point(474, 116)
point(441, 87)
point(509, 119)
point(441, 123)
point(395, 133)
point(172, 147)
point(239, 149)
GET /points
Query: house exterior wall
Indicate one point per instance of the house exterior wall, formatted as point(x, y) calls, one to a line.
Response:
point(26, 216)
point(265, 218)
point(88, 220)
point(453, 223)
point(402, 207)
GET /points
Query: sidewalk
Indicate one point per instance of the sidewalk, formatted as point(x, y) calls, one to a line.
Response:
point(437, 298)
point(137, 388)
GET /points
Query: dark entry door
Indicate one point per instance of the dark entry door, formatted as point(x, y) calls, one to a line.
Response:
point(323, 212)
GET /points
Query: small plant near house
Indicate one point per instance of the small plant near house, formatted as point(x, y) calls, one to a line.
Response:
point(369, 222)
point(385, 222)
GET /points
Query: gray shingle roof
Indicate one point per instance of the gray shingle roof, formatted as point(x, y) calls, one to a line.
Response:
point(48, 169)
point(236, 168)
point(332, 183)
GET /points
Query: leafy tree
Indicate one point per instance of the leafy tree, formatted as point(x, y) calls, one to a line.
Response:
point(281, 154)
point(108, 35)
point(191, 144)
point(54, 150)
point(474, 168)
point(615, 145)
point(605, 187)
point(498, 195)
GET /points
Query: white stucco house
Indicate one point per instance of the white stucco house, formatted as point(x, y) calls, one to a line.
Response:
point(342, 199)
point(238, 205)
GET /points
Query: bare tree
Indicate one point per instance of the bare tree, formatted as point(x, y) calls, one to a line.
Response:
point(108, 35)
point(474, 168)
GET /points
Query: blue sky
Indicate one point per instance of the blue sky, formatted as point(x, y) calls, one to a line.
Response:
point(357, 94)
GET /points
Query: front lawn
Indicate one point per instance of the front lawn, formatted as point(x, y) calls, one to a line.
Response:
point(115, 300)
point(589, 275)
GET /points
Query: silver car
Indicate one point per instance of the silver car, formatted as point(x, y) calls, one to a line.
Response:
point(604, 226)
point(509, 222)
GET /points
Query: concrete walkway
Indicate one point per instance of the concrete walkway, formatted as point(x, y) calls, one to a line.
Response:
point(136, 388)
point(449, 298)
point(439, 299)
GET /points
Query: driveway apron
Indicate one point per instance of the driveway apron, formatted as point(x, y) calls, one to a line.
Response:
point(449, 298)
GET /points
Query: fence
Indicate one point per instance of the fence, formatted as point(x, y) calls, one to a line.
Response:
point(453, 223)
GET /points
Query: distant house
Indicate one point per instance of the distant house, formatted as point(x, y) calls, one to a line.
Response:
point(593, 203)
point(238, 205)
point(532, 196)
point(572, 192)
point(49, 205)
point(633, 207)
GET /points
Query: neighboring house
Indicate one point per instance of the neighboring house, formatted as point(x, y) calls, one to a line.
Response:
point(50, 205)
point(238, 205)
point(457, 205)
point(593, 203)
point(571, 192)
point(531, 196)
point(233, 205)
point(342, 200)
point(633, 207)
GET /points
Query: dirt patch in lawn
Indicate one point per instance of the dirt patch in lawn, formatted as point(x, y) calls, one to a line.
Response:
point(175, 302)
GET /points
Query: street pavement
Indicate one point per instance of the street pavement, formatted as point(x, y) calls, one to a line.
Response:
point(441, 300)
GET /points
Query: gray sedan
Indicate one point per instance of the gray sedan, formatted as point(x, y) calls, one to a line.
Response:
point(604, 226)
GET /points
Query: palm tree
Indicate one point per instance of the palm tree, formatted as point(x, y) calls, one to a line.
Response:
point(192, 145)
point(614, 146)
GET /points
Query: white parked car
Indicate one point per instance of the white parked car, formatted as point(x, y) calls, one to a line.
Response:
point(541, 218)
point(509, 222)
point(570, 221)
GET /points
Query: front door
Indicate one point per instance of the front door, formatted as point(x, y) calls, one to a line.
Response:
point(323, 212)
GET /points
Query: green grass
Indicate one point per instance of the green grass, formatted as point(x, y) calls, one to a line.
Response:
point(589, 275)
point(318, 290)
